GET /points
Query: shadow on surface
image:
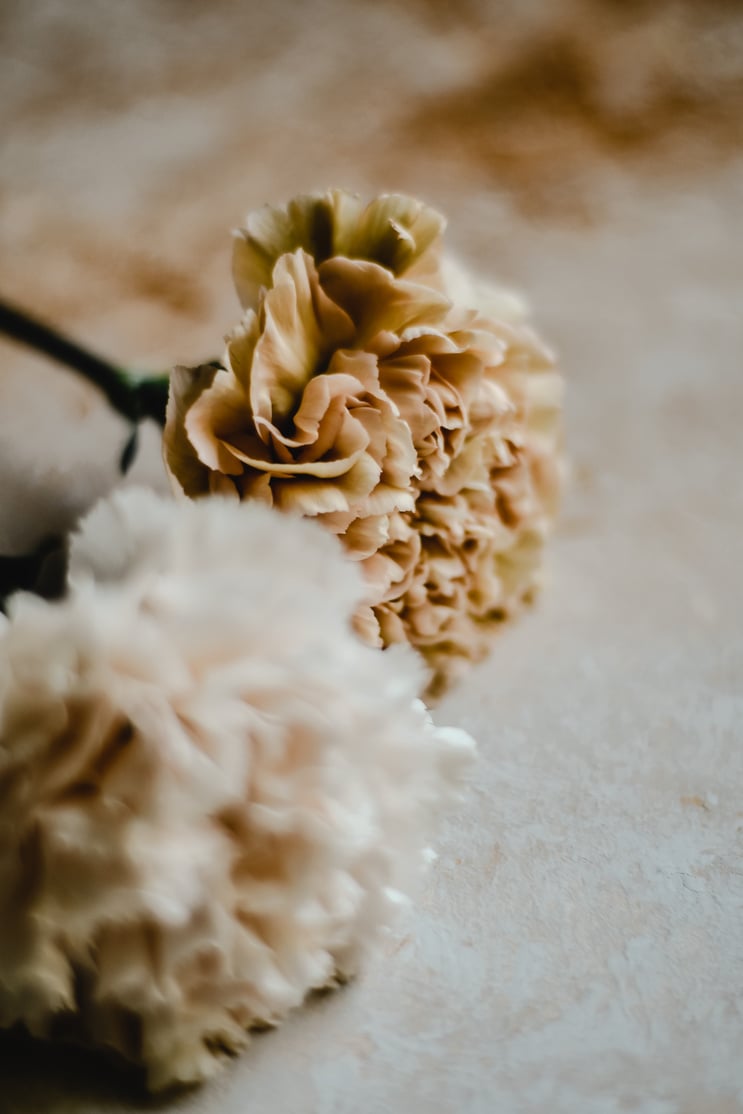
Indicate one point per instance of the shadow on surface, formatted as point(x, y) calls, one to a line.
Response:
point(34, 1074)
point(59, 1077)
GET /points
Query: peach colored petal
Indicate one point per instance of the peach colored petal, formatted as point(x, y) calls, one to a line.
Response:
point(311, 496)
point(366, 625)
point(405, 379)
point(361, 366)
point(185, 469)
point(223, 485)
point(389, 626)
point(400, 233)
point(375, 300)
point(319, 394)
point(240, 347)
point(300, 327)
point(393, 230)
point(256, 485)
point(268, 235)
point(212, 417)
point(361, 536)
point(338, 432)
point(385, 499)
point(323, 469)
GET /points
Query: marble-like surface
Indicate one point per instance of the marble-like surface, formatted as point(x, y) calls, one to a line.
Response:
point(578, 947)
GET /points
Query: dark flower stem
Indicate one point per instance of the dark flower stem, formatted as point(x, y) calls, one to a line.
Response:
point(133, 396)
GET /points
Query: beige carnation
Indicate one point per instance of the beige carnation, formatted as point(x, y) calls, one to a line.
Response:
point(211, 791)
point(374, 385)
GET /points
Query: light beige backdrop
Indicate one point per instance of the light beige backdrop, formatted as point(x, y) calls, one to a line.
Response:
point(579, 945)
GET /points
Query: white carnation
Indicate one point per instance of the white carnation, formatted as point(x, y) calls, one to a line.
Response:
point(211, 791)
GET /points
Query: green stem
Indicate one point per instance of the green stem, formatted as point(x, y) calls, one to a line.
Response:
point(133, 396)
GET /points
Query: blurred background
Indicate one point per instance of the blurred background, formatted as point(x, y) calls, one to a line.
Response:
point(587, 151)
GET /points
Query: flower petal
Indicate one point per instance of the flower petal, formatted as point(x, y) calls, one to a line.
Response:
point(376, 300)
point(214, 416)
point(393, 230)
point(310, 495)
point(398, 232)
point(300, 328)
point(186, 471)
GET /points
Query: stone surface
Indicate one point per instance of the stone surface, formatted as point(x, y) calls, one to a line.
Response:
point(578, 945)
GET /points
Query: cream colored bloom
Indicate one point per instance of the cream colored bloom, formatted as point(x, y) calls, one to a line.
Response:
point(399, 233)
point(370, 380)
point(211, 791)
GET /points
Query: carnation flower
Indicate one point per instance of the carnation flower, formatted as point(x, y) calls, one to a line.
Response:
point(211, 791)
point(374, 385)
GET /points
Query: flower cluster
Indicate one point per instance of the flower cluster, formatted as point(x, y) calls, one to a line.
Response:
point(211, 791)
point(372, 385)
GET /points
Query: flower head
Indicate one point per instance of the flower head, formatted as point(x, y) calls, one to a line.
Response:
point(211, 791)
point(399, 233)
point(373, 385)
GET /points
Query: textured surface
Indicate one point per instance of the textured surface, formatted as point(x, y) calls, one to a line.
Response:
point(579, 946)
